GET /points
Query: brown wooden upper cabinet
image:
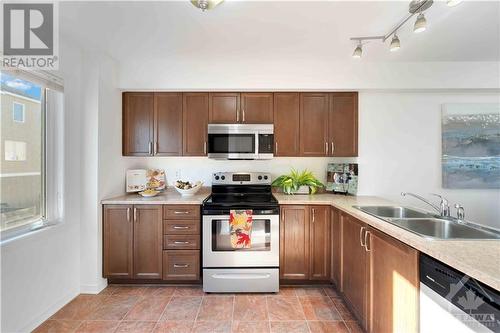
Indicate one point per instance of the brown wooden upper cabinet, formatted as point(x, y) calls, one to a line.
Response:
point(314, 124)
point(138, 123)
point(195, 123)
point(132, 241)
point(343, 124)
point(224, 108)
point(152, 124)
point(241, 108)
point(257, 108)
point(286, 124)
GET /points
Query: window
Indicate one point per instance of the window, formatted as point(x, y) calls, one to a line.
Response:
point(18, 112)
point(31, 167)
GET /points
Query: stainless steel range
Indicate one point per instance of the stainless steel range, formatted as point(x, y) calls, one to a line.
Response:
point(229, 269)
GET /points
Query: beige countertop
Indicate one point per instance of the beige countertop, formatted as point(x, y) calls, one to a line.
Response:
point(479, 259)
point(476, 258)
point(169, 197)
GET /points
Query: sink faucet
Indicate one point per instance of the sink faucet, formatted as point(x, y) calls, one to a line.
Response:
point(443, 208)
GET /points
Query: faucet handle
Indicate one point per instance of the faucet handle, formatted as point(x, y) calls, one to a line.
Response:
point(445, 207)
point(460, 212)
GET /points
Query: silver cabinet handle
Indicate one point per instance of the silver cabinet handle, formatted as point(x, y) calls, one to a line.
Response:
point(135, 213)
point(179, 242)
point(333, 147)
point(366, 243)
point(237, 115)
point(155, 150)
point(128, 214)
point(314, 215)
point(276, 148)
point(181, 265)
point(243, 112)
point(205, 147)
point(180, 227)
point(361, 230)
point(150, 148)
point(181, 212)
point(326, 146)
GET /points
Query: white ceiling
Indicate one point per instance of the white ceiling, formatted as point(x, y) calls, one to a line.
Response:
point(141, 30)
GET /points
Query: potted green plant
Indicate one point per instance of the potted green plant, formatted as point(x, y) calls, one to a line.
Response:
point(292, 183)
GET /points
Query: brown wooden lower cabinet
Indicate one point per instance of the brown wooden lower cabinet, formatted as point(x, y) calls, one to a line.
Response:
point(305, 242)
point(181, 265)
point(394, 285)
point(148, 241)
point(336, 248)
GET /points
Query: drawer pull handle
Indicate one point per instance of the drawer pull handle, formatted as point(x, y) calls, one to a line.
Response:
point(241, 276)
point(181, 266)
point(179, 242)
point(181, 212)
point(179, 227)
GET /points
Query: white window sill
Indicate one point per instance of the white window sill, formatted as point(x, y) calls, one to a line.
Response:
point(13, 236)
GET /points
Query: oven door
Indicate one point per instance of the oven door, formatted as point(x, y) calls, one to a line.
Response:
point(217, 250)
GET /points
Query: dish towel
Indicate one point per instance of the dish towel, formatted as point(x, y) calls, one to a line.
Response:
point(240, 223)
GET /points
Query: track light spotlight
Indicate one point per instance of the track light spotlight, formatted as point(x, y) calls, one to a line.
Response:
point(420, 23)
point(395, 43)
point(358, 51)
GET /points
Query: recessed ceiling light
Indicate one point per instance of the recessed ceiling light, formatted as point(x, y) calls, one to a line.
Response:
point(420, 23)
point(206, 4)
point(453, 3)
point(395, 43)
point(358, 51)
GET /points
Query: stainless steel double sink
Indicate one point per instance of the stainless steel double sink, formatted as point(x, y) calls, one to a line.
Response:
point(428, 225)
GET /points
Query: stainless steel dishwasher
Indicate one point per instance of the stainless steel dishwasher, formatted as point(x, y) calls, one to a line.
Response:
point(451, 301)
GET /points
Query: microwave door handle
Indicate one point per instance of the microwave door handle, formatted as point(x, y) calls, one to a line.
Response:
point(256, 144)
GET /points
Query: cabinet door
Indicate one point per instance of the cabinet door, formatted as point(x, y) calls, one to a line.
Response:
point(394, 283)
point(181, 265)
point(336, 236)
point(343, 124)
point(148, 241)
point(320, 243)
point(224, 108)
point(355, 262)
point(117, 241)
point(138, 124)
point(294, 242)
point(195, 123)
point(168, 124)
point(286, 124)
point(257, 108)
point(314, 124)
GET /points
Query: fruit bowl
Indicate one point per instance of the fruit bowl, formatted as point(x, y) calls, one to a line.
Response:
point(187, 188)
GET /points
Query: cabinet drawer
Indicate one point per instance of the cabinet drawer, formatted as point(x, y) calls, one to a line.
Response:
point(181, 242)
point(181, 212)
point(181, 265)
point(181, 227)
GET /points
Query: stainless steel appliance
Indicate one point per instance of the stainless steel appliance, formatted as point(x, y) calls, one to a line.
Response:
point(241, 141)
point(451, 301)
point(254, 269)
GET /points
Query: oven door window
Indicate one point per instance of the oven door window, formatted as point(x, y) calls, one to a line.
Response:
point(260, 237)
point(231, 143)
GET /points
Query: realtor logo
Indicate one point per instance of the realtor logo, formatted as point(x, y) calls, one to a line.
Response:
point(29, 36)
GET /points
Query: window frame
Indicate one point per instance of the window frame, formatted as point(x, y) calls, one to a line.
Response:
point(13, 111)
point(52, 167)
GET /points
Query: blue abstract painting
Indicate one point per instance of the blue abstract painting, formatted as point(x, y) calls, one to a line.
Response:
point(471, 146)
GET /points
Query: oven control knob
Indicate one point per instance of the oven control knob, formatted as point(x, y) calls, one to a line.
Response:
point(222, 177)
point(265, 177)
point(259, 178)
point(216, 177)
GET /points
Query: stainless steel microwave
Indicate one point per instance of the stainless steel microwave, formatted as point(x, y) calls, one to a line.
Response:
point(241, 141)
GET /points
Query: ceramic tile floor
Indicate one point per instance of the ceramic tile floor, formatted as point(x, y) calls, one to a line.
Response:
point(164, 309)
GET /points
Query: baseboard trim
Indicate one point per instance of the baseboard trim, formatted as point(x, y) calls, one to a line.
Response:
point(93, 288)
point(48, 313)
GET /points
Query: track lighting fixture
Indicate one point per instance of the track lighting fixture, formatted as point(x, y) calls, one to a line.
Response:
point(358, 51)
point(395, 43)
point(420, 24)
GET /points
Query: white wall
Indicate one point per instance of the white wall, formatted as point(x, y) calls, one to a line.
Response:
point(400, 150)
point(41, 272)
